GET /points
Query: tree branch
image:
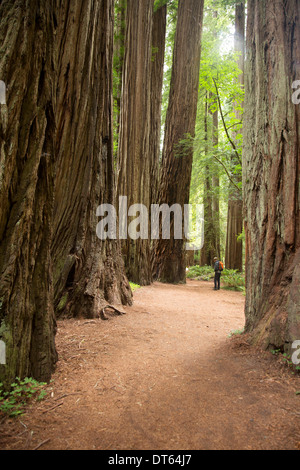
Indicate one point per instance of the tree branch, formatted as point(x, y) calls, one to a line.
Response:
point(224, 124)
point(228, 174)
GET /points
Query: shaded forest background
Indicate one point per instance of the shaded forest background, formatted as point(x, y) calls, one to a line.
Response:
point(165, 102)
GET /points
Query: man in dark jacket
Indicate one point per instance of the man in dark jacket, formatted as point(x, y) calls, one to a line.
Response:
point(217, 274)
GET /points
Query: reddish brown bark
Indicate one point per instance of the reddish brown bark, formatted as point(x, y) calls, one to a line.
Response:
point(170, 262)
point(271, 173)
point(134, 160)
point(157, 73)
point(27, 138)
point(88, 272)
point(56, 60)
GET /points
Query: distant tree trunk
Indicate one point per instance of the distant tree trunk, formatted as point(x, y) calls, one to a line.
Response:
point(211, 246)
point(271, 173)
point(157, 74)
point(180, 124)
point(216, 187)
point(27, 140)
point(215, 176)
point(134, 160)
point(88, 272)
point(234, 247)
point(208, 251)
point(119, 37)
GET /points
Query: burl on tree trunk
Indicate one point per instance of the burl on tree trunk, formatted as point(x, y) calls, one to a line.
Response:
point(271, 173)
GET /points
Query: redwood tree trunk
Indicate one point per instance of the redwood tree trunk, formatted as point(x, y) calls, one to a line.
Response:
point(271, 173)
point(119, 37)
point(208, 250)
point(134, 160)
point(88, 272)
point(27, 132)
point(170, 265)
point(211, 246)
point(56, 59)
point(157, 74)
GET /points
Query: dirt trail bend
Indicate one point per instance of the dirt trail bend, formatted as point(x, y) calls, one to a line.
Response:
point(165, 376)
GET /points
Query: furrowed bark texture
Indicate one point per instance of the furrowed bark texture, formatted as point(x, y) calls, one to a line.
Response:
point(88, 272)
point(157, 73)
point(271, 173)
point(56, 127)
point(170, 263)
point(27, 131)
point(119, 35)
point(135, 163)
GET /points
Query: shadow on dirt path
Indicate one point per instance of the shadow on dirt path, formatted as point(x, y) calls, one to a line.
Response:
point(165, 376)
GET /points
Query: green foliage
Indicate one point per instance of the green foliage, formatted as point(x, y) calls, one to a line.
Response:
point(62, 303)
point(231, 278)
point(275, 352)
point(134, 286)
point(236, 333)
point(21, 392)
point(242, 236)
point(203, 273)
point(218, 161)
point(184, 147)
point(118, 58)
point(220, 89)
point(160, 3)
point(169, 47)
point(286, 359)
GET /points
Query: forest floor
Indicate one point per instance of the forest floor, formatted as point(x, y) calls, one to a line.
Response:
point(166, 376)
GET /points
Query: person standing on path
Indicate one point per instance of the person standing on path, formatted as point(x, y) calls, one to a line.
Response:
point(217, 273)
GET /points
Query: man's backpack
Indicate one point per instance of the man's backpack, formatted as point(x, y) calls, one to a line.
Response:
point(221, 266)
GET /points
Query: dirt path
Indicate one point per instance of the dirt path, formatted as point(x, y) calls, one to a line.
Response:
point(166, 376)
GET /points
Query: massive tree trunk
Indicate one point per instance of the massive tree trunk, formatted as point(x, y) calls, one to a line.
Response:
point(234, 247)
point(271, 173)
point(134, 160)
point(157, 73)
point(180, 124)
point(56, 60)
point(27, 133)
point(88, 272)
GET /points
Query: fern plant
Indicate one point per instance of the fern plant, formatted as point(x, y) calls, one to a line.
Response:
point(13, 402)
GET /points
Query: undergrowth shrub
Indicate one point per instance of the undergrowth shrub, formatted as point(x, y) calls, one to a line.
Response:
point(13, 402)
point(231, 278)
